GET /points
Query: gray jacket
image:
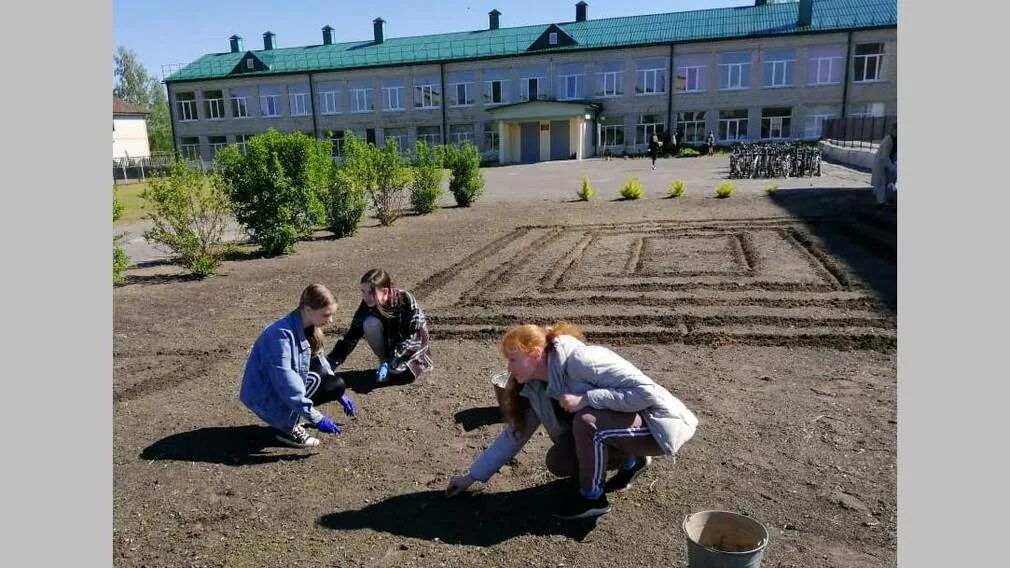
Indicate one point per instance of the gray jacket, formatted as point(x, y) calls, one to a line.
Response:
point(608, 382)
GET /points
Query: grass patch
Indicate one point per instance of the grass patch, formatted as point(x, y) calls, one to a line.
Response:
point(134, 207)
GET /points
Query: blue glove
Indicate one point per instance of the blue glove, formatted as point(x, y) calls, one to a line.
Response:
point(328, 426)
point(382, 375)
point(348, 404)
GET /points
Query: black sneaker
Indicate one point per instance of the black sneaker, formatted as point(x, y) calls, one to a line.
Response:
point(297, 438)
point(579, 507)
point(622, 480)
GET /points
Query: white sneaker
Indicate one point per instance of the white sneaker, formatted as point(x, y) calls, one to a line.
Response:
point(297, 438)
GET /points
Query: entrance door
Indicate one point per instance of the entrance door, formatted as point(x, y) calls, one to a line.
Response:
point(559, 140)
point(529, 142)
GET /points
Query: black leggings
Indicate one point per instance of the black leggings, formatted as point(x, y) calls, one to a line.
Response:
point(322, 386)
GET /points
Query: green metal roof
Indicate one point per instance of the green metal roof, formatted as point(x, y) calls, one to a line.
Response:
point(696, 25)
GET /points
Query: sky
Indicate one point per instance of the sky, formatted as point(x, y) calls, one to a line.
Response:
point(180, 31)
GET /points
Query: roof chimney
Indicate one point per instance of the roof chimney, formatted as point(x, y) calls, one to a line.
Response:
point(806, 13)
point(493, 24)
point(268, 40)
point(327, 35)
point(760, 2)
point(236, 43)
point(581, 12)
point(379, 25)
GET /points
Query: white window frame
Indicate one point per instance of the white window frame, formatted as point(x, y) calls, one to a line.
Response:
point(776, 123)
point(242, 141)
point(401, 139)
point(696, 126)
point(188, 110)
point(240, 104)
point(460, 137)
point(433, 139)
point(816, 66)
point(264, 106)
point(359, 100)
point(298, 103)
point(642, 77)
point(815, 124)
point(609, 132)
point(733, 70)
point(867, 110)
point(466, 94)
point(649, 129)
point(489, 92)
point(218, 146)
point(699, 78)
point(877, 57)
point(780, 65)
point(427, 93)
point(190, 151)
point(524, 88)
point(390, 94)
point(616, 76)
point(329, 102)
point(563, 87)
point(735, 124)
point(215, 108)
point(493, 135)
point(552, 38)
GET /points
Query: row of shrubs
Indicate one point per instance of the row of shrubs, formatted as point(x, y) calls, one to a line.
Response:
point(633, 189)
point(285, 186)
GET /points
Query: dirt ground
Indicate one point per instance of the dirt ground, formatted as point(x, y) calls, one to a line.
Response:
point(772, 318)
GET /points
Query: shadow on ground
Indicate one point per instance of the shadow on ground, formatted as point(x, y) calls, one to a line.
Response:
point(859, 234)
point(229, 445)
point(473, 418)
point(477, 519)
point(363, 381)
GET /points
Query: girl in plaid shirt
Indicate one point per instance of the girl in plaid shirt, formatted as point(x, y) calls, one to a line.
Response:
point(394, 326)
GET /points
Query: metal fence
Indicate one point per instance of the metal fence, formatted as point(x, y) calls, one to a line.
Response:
point(857, 131)
point(127, 170)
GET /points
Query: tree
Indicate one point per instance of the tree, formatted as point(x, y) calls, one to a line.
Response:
point(135, 85)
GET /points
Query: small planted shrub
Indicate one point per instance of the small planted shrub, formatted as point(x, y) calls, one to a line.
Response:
point(393, 177)
point(677, 188)
point(189, 211)
point(772, 188)
point(120, 260)
point(686, 152)
point(427, 187)
point(587, 192)
point(466, 183)
point(725, 189)
point(632, 190)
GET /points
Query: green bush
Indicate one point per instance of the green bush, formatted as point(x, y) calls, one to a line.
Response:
point(427, 187)
point(279, 187)
point(772, 188)
point(345, 204)
point(632, 190)
point(677, 188)
point(466, 182)
point(725, 189)
point(120, 260)
point(189, 210)
point(686, 152)
point(392, 180)
point(587, 192)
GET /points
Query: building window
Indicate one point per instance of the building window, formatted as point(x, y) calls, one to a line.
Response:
point(240, 107)
point(571, 86)
point(776, 122)
point(427, 95)
point(460, 133)
point(649, 125)
point(336, 138)
point(213, 104)
point(462, 94)
point(612, 135)
point(299, 103)
point(531, 88)
point(359, 100)
point(186, 103)
point(609, 81)
point(734, 70)
point(217, 143)
point(398, 135)
point(733, 124)
point(552, 38)
point(491, 142)
point(650, 77)
point(814, 123)
point(269, 106)
point(250, 63)
point(189, 147)
point(242, 141)
point(692, 125)
point(866, 109)
point(778, 67)
point(328, 102)
point(494, 92)
point(392, 98)
point(867, 61)
point(431, 135)
point(824, 66)
point(691, 79)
